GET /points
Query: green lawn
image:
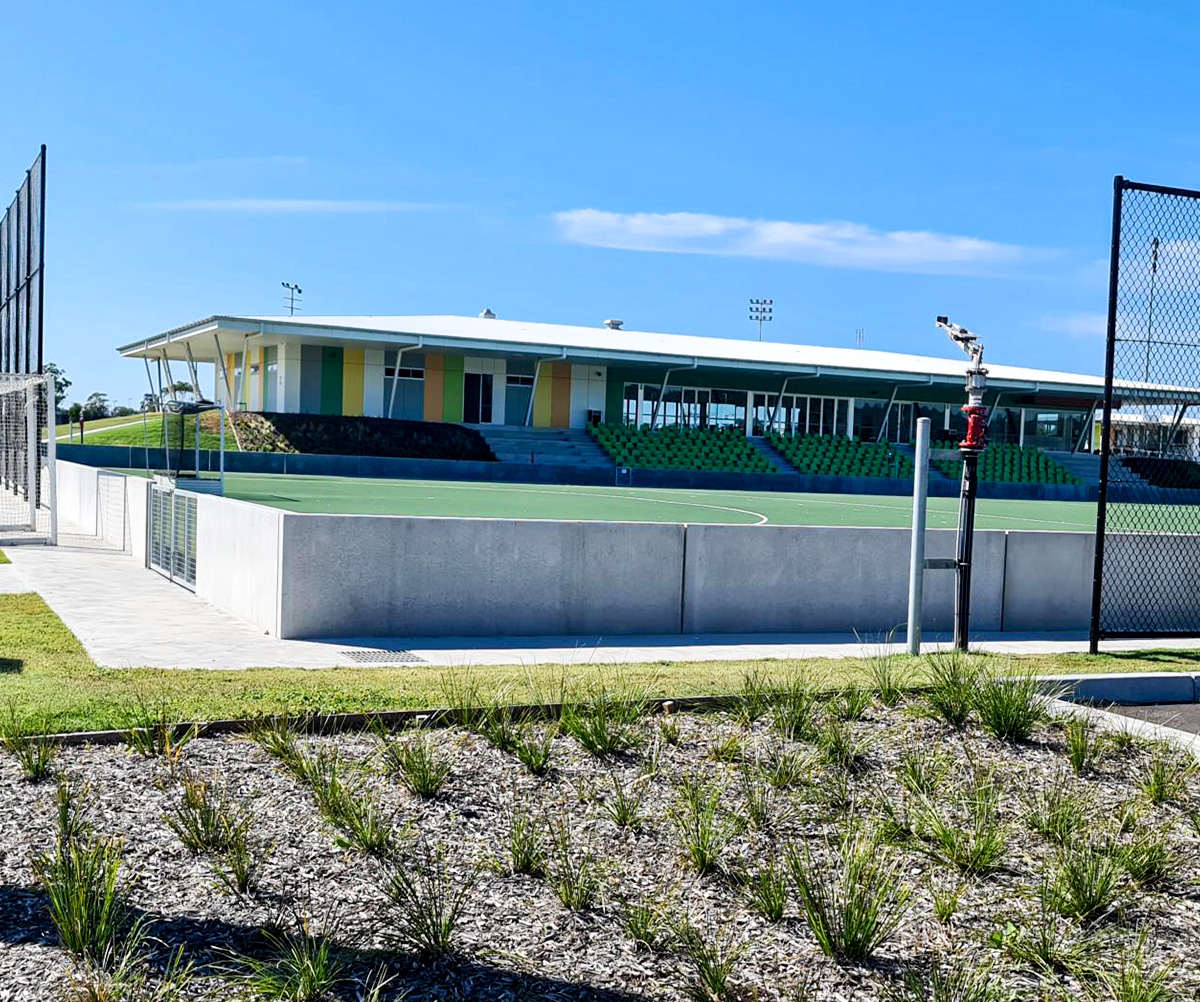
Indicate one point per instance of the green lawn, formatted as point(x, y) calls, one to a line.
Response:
point(134, 431)
point(63, 429)
point(348, 495)
point(48, 678)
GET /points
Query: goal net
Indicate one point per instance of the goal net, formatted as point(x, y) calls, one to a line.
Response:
point(27, 474)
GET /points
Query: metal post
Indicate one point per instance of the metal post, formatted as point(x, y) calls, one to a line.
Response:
point(31, 451)
point(1114, 272)
point(966, 540)
point(222, 457)
point(916, 566)
point(52, 464)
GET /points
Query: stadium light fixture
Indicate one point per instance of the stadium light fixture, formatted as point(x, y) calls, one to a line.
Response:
point(294, 292)
point(970, 447)
point(762, 310)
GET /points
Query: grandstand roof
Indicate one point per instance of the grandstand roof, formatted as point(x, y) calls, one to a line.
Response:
point(601, 345)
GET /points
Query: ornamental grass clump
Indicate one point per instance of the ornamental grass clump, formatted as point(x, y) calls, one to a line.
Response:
point(852, 896)
point(1056, 810)
point(953, 682)
point(647, 926)
point(975, 848)
point(624, 808)
point(525, 845)
point(949, 980)
point(1166, 775)
point(850, 703)
point(605, 725)
point(296, 965)
point(841, 747)
point(794, 712)
point(1148, 858)
point(426, 901)
point(204, 818)
point(533, 748)
point(416, 765)
point(28, 740)
point(1084, 747)
point(573, 874)
point(710, 964)
point(1009, 707)
point(767, 890)
point(889, 675)
point(153, 731)
point(703, 827)
point(1084, 882)
point(923, 771)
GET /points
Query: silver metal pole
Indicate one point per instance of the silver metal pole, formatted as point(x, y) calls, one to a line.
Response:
point(52, 461)
point(916, 566)
point(31, 452)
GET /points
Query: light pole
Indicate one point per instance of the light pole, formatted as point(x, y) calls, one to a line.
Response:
point(971, 446)
point(762, 310)
point(293, 293)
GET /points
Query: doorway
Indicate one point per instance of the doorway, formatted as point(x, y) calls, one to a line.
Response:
point(477, 398)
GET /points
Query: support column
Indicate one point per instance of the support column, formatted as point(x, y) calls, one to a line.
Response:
point(288, 393)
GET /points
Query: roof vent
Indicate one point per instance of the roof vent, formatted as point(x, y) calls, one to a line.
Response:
point(613, 325)
point(487, 314)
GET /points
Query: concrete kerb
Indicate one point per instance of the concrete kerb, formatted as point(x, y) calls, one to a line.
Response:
point(1147, 730)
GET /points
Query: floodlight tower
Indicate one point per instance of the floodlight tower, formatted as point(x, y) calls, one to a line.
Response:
point(762, 310)
point(971, 446)
point(293, 293)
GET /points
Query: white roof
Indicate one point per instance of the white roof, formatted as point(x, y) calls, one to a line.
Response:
point(603, 344)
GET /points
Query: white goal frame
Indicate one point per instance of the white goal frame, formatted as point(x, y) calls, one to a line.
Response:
point(28, 473)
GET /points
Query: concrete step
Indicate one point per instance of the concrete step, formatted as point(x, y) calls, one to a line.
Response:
point(545, 446)
point(1083, 464)
point(778, 463)
point(936, 476)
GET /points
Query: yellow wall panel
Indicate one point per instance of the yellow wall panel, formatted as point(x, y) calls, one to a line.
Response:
point(560, 396)
point(352, 382)
point(543, 396)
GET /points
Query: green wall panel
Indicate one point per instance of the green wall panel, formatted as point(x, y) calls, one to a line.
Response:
point(331, 380)
point(452, 390)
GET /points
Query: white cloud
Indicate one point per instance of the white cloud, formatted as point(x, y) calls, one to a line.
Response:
point(289, 205)
point(832, 244)
point(1082, 324)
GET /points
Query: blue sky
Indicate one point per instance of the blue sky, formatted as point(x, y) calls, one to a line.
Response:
point(867, 165)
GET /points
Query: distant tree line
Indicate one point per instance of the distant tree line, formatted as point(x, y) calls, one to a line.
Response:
point(97, 406)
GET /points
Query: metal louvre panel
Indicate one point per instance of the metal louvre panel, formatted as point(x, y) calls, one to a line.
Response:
point(1148, 519)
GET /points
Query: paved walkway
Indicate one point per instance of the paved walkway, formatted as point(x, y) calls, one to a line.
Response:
point(127, 616)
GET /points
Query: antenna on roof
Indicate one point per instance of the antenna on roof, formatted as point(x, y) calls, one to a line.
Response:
point(860, 338)
point(613, 325)
point(487, 314)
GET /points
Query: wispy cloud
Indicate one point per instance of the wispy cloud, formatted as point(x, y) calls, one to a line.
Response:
point(1083, 324)
point(290, 205)
point(832, 244)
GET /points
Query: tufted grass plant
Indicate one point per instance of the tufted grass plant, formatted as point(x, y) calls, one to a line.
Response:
point(976, 848)
point(923, 770)
point(533, 748)
point(710, 964)
point(426, 901)
point(205, 819)
point(153, 730)
point(297, 964)
point(647, 926)
point(525, 845)
point(1149, 857)
point(416, 765)
point(1167, 774)
point(1010, 706)
point(841, 747)
point(953, 682)
point(28, 740)
point(766, 890)
point(852, 896)
point(850, 703)
point(1056, 810)
point(794, 712)
point(1084, 744)
point(949, 980)
point(701, 824)
point(1084, 882)
point(604, 725)
point(624, 808)
point(572, 873)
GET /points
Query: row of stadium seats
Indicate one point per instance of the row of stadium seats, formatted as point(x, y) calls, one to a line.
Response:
point(1008, 464)
point(839, 456)
point(718, 449)
point(1159, 471)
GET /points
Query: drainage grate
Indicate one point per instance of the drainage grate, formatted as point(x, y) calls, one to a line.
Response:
point(384, 657)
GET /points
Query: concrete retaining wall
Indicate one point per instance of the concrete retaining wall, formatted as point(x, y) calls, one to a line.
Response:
point(385, 576)
point(238, 559)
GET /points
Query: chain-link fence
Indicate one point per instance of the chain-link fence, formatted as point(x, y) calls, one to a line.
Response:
point(22, 259)
point(1148, 523)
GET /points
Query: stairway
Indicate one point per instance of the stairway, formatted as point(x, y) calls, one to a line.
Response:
point(936, 476)
point(1085, 465)
point(778, 463)
point(544, 446)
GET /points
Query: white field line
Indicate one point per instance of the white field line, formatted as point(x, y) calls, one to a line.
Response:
point(105, 427)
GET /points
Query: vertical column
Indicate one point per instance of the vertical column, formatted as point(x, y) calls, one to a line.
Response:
point(373, 402)
point(31, 451)
point(288, 390)
point(352, 382)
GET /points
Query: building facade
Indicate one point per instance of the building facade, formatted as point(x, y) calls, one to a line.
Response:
point(480, 370)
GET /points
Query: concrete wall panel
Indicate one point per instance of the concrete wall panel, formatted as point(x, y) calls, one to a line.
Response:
point(798, 579)
point(1048, 584)
point(237, 559)
point(379, 576)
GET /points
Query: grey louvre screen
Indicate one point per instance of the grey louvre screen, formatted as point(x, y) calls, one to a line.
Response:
point(22, 262)
point(1147, 573)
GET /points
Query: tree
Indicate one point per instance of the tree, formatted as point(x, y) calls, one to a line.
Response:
point(182, 386)
point(122, 411)
point(61, 385)
point(150, 403)
point(95, 407)
point(75, 411)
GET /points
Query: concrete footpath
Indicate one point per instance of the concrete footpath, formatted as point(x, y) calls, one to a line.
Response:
point(127, 616)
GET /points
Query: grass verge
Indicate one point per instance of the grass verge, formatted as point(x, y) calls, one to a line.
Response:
point(46, 673)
